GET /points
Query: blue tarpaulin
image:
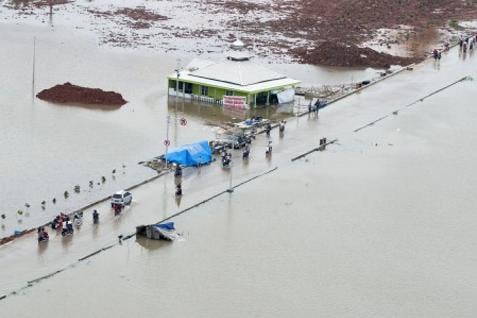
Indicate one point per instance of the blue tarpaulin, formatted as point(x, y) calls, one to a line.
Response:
point(166, 226)
point(191, 155)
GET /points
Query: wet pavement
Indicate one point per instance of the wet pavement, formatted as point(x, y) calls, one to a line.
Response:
point(382, 223)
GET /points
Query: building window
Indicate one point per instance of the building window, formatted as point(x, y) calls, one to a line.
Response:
point(229, 93)
point(204, 91)
point(181, 86)
point(188, 88)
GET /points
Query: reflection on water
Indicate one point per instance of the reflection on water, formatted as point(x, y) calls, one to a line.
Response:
point(216, 115)
point(151, 245)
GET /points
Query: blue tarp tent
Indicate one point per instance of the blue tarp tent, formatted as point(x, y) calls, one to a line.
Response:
point(191, 155)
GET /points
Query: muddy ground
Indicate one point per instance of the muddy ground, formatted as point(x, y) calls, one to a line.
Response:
point(282, 30)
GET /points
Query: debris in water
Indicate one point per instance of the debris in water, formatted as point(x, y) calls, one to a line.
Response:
point(27, 205)
point(77, 188)
point(66, 194)
point(54, 200)
point(103, 179)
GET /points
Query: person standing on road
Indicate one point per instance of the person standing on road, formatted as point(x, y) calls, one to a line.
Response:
point(95, 217)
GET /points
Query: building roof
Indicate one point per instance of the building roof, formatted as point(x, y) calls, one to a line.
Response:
point(242, 76)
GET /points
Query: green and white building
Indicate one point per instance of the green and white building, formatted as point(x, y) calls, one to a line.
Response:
point(210, 81)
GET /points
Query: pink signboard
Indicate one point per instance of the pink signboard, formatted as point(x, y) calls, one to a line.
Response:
point(235, 102)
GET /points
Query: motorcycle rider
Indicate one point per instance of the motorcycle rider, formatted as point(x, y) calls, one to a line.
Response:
point(226, 158)
point(42, 234)
point(268, 128)
point(178, 172)
point(268, 150)
point(179, 190)
point(246, 151)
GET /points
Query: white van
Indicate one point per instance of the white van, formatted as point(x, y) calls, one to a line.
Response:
point(121, 198)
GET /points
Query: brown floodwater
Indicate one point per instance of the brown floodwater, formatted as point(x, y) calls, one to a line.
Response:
point(381, 224)
point(47, 148)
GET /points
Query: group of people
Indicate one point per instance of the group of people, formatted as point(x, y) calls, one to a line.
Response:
point(436, 54)
point(60, 221)
point(467, 43)
point(65, 225)
point(315, 107)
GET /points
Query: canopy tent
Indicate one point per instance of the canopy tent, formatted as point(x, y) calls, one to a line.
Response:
point(190, 155)
point(159, 231)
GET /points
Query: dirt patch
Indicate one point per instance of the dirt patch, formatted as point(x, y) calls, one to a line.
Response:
point(140, 14)
point(312, 22)
point(337, 54)
point(137, 18)
point(68, 93)
point(22, 4)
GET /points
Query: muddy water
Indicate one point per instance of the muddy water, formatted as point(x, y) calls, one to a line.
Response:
point(382, 224)
point(47, 148)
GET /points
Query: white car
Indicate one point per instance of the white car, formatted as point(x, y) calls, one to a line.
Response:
point(121, 198)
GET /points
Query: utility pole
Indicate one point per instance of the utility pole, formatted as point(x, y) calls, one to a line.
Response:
point(33, 70)
point(167, 142)
point(230, 189)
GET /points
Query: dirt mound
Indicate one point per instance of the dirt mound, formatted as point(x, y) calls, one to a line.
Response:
point(334, 54)
point(69, 93)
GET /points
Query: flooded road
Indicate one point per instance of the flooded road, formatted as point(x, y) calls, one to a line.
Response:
point(380, 224)
point(47, 149)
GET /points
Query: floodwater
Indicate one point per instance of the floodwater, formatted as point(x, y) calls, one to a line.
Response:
point(47, 149)
point(381, 224)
